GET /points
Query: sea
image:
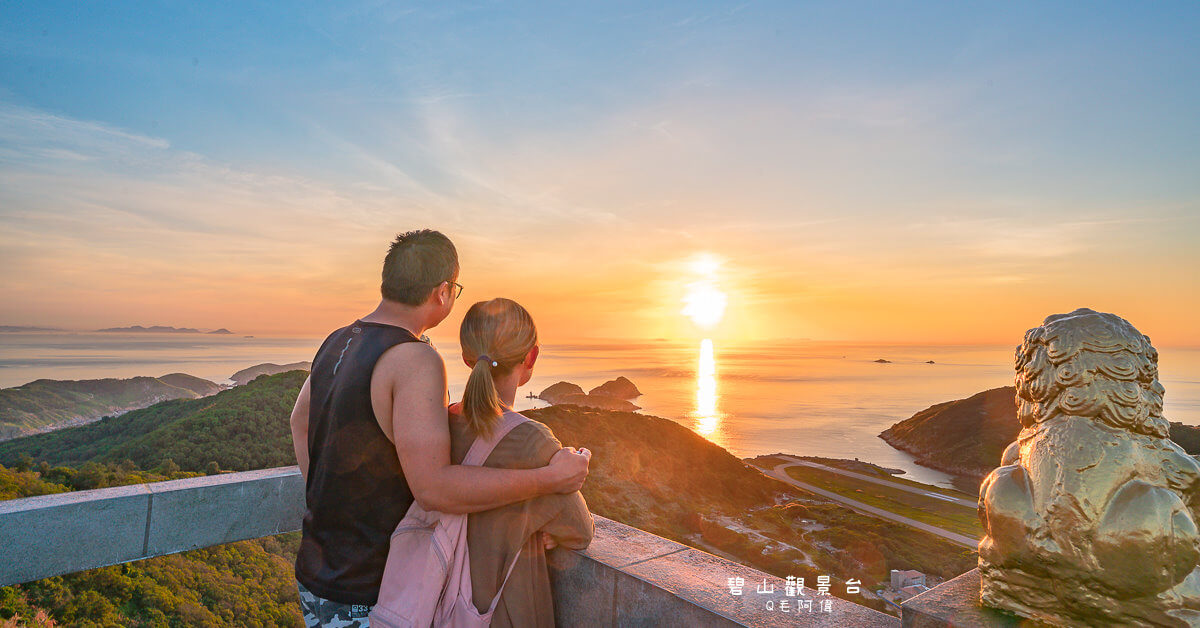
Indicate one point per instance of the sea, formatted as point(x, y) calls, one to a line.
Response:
point(811, 398)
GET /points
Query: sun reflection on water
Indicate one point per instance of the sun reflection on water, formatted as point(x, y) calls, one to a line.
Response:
point(707, 415)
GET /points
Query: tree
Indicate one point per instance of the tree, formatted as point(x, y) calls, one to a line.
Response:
point(169, 468)
point(24, 463)
point(211, 468)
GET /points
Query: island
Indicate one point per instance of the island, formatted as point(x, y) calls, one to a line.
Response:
point(611, 395)
point(155, 329)
point(966, 437)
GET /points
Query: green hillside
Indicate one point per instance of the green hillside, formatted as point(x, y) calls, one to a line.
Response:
point(47, 404)
point(239, 429)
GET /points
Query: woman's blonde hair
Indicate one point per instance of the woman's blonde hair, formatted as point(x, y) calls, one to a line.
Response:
point(503, 332)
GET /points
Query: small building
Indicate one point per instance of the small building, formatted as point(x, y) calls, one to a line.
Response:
point(906, 578)
point(911, 590)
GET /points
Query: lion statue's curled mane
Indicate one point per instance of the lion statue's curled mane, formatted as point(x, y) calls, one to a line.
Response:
point(1091, 519)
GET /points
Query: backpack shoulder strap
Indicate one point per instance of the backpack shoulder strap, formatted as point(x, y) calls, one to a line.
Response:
point(496, 600)
point(476, 456)
point(481, 448)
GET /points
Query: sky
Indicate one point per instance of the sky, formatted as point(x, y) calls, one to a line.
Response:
point(893, 172)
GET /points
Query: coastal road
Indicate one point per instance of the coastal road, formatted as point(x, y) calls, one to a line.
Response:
point(780, 473)
point(969, 503)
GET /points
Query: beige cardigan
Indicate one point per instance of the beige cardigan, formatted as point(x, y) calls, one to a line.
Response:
point(493, 536)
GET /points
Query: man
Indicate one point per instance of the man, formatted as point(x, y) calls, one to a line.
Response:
point(371, 436)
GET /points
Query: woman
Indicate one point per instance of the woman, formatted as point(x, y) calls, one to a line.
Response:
point(499, 343)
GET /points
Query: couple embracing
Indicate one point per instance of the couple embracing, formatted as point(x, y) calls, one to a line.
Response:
point(376, 439)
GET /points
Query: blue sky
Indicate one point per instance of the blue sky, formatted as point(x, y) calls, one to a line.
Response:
point(827, 152)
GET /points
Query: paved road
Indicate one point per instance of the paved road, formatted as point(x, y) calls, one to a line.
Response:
point(969, 503)
point(780, 473)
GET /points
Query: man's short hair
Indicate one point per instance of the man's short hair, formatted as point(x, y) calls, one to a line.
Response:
point(417, 262)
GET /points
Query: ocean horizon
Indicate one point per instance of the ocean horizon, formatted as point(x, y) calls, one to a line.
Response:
point(815, 398)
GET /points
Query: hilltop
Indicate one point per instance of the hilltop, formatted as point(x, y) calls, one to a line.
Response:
point(248, 375)
point(240, 428)
point(967, 436)
point(48, 404)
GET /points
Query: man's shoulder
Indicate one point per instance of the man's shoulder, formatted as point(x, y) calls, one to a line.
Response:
point(407, 359)
point(412, 351)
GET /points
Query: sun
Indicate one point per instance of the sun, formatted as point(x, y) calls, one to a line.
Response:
point(704, 303)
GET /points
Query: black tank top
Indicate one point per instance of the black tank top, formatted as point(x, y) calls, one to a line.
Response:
point(355, 491)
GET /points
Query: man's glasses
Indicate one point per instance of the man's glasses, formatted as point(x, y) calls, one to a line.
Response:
point(452, 283)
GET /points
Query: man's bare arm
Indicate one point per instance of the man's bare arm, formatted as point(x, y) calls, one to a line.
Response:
point(421, 433)
point(300, 428)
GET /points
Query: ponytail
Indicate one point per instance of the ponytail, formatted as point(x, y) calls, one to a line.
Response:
point(481, 404)
point(497, 335)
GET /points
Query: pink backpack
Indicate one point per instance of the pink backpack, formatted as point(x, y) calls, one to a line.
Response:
point(427, 578)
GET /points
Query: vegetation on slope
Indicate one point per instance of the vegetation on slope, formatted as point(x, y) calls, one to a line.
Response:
point(46, 403)
point(248, 583)
point(239, 429)
point(968, 436)
point(247, 375)
point(659, 476)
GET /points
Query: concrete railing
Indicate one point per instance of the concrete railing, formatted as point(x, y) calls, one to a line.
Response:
point(626, 577)
point(955, 604)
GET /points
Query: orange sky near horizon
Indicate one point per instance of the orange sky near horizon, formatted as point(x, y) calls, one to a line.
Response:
point(593, 285)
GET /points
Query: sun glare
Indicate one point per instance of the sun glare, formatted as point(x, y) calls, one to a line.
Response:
point(705, 265)
point(704, 303)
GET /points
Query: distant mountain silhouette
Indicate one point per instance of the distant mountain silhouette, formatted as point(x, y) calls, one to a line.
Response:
point(240, 428)
point(48, 404)
point(247, 375)
point(156, 329)
point(198, 385)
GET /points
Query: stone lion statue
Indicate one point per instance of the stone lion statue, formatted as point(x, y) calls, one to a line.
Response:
point(1091, 520)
